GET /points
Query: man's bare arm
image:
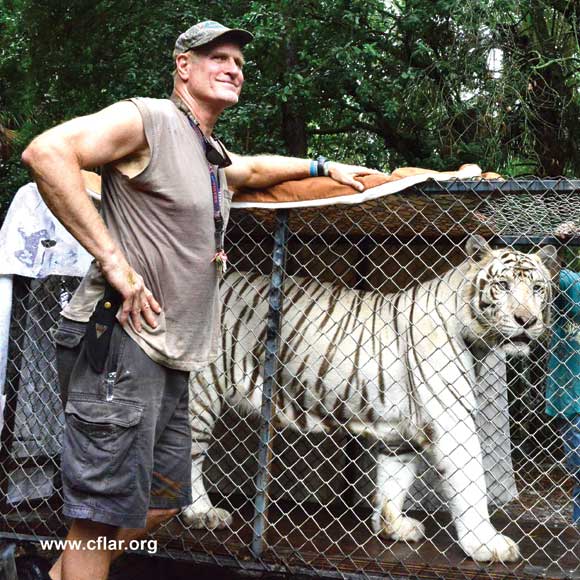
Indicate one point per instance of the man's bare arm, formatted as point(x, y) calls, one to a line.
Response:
point(56, 158)
point(266, 170)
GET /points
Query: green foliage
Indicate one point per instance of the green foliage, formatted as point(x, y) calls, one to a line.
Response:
point(378, 82)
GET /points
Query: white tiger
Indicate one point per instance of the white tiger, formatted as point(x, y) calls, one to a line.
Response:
point(397, 367)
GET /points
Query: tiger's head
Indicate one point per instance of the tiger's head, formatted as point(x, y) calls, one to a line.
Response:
point(509, 296)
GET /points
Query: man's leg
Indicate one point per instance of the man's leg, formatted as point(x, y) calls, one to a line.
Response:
point(146, 444)
point(84, 564)
point(155, 517)
point(94, 564)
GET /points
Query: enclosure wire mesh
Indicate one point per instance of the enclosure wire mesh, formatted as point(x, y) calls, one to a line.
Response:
point(396, 429)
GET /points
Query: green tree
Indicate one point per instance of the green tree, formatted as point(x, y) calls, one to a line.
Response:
point(541, 84)
point(380, 82)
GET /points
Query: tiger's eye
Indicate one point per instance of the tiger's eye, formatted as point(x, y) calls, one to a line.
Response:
point(503, 285)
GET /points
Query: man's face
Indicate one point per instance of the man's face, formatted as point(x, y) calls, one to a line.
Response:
point(216, 76)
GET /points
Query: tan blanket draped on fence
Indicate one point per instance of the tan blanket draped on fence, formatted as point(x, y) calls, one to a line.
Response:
point(313, 188)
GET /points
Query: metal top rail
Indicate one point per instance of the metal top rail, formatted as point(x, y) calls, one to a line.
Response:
point(519, 185)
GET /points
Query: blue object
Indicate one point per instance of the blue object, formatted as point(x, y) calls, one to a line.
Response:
point(313, 168)
point(563, 382)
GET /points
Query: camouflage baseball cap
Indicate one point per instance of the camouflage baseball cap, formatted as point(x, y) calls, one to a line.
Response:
point(205, 32)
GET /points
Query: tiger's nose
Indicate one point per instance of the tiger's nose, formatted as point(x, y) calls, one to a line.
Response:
point(526, 320)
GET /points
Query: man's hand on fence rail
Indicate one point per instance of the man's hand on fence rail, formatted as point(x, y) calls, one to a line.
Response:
point(347, 174)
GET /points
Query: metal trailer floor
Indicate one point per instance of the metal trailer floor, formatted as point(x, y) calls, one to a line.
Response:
point(327, 544)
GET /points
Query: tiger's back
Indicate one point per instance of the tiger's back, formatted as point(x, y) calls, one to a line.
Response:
point(343, 353)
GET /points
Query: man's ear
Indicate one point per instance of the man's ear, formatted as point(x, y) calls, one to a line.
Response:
point(182, 62)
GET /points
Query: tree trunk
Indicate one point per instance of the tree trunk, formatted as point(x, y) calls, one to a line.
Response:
point(293, 122)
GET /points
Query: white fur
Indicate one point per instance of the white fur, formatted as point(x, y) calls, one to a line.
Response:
point(429, 373)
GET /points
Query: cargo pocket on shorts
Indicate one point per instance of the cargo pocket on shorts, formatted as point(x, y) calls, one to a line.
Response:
point(69, 333)
point(67, 336)
point(99, 451)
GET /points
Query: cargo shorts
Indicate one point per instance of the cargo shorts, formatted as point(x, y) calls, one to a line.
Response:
point(127, 439)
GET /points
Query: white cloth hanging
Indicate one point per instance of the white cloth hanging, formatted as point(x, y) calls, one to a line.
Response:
point(33, 243)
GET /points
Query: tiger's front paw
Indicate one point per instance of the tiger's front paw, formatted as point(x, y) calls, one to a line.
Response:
point(500, 548)
point(404, 529)
point(210, 519)
point(396, 526)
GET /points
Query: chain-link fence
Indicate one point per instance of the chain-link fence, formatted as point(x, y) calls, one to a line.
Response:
point(380, 406)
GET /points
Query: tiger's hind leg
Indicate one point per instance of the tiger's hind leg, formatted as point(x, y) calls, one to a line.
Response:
point(395, 475)
point(205, 406)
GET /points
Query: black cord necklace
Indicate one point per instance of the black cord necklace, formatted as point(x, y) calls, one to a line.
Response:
point(220, 257)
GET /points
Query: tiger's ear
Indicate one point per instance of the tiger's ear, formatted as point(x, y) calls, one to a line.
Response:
point(549, 256)
point(477, 247)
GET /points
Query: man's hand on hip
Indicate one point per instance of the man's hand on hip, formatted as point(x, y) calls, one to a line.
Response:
point(138, 300)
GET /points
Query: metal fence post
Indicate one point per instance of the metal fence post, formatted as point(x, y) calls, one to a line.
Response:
point(275, 302)
point(20, 298)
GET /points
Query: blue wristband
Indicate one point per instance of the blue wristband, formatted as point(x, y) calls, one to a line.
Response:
point(313, 168)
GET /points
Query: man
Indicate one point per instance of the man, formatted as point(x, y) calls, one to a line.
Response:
point(158, 254)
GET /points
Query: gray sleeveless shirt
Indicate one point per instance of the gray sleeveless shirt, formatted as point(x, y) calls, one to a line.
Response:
point(162, 219)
